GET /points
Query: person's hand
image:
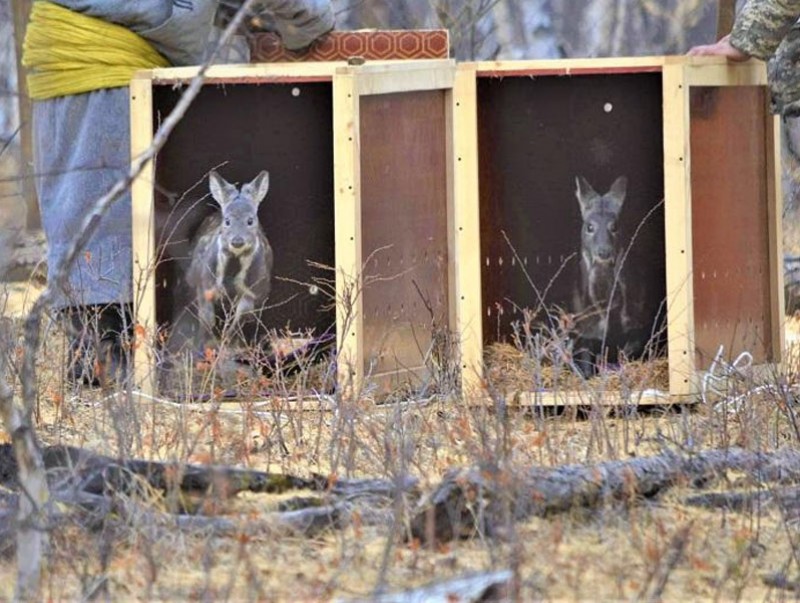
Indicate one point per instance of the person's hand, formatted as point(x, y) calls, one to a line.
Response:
point(723, 48)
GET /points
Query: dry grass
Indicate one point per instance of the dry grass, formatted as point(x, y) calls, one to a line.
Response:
point(612, 553)
point(512, 369)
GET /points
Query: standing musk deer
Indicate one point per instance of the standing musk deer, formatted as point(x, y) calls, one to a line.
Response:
point(603, 314)
point(231, 262)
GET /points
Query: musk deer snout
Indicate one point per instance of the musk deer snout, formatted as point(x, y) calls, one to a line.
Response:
point(600, 214)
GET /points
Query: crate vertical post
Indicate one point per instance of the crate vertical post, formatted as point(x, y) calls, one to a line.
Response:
point(677, 223)
point(143, 220)
point(772, 128)
point(466, 230)
point(347, 217)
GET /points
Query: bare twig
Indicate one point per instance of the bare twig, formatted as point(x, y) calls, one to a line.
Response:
point(31, 540)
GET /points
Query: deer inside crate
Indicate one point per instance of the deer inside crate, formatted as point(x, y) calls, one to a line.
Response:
point(607, 308)
point(231, 266)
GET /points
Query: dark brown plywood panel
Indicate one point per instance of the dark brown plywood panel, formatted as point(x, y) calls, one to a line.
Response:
point(536, 135)
point(730, 224)
point(240, 130)
point(404, 225)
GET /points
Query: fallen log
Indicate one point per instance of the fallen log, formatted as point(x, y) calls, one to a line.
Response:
point(306, 522)
point(470, 588)
point(476, 501)
point(90, 483)
point(97, 473)
point(741, 502)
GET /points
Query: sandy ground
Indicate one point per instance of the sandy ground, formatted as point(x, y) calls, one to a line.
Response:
point(612, 553)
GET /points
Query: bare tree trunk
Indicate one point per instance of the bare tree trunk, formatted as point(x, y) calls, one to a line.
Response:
point(525, 30)
point(21, 10)
point(726, 13)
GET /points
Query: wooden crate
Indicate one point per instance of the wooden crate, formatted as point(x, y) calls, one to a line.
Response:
point(696, 133)
point(360, 163)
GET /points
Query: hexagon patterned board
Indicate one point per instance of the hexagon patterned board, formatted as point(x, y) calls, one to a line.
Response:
point(374, 45)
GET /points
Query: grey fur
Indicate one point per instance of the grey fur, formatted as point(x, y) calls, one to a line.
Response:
point(231, 264)
point(600, 296)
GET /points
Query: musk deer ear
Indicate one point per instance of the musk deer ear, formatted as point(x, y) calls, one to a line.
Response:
point(584, 193)
point(222, 190)
point(258, 187)
point(618, 191)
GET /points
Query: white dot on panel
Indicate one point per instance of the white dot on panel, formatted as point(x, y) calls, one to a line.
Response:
point(608, 107)
point(295, 91)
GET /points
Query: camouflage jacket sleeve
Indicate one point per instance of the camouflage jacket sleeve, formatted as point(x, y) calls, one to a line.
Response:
point(762, 24)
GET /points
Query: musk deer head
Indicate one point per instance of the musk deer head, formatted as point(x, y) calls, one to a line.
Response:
point(600, 214)
point(239, 228)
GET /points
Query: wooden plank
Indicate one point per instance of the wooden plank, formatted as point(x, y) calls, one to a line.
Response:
point(143, 220)
point(347, 218)
point(266, 71)
point(570, 66)
point(677, 222)
point(775, 225)
point(466, 239)
point(389, 78)
point(452, 251)
point(731, 265)
point(297, 71)
point(404, 222)
point(751, 73)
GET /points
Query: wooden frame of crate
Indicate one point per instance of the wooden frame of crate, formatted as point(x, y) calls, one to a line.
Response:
point(374, 141)
point(721, 186)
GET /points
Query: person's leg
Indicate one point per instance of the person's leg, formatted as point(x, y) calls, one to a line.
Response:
point(99, 343)
point(81, 149)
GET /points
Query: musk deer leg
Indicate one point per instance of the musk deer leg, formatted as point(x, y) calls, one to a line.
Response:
point(245, 306)
point(222, 264)
point(205, 314)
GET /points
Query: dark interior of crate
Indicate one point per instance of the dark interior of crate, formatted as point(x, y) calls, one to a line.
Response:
point(404, 201)
point(536, 135)
point(730, 220)
point(240, 129)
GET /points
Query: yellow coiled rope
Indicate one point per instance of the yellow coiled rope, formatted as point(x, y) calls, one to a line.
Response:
point(69, 53)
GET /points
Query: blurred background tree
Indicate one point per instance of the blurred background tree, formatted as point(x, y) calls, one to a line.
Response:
point(516, 29)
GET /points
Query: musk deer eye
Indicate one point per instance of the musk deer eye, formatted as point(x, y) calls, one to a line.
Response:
point(590, 228)
point(250, 221)
point(612, 227)
point(227, 222)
